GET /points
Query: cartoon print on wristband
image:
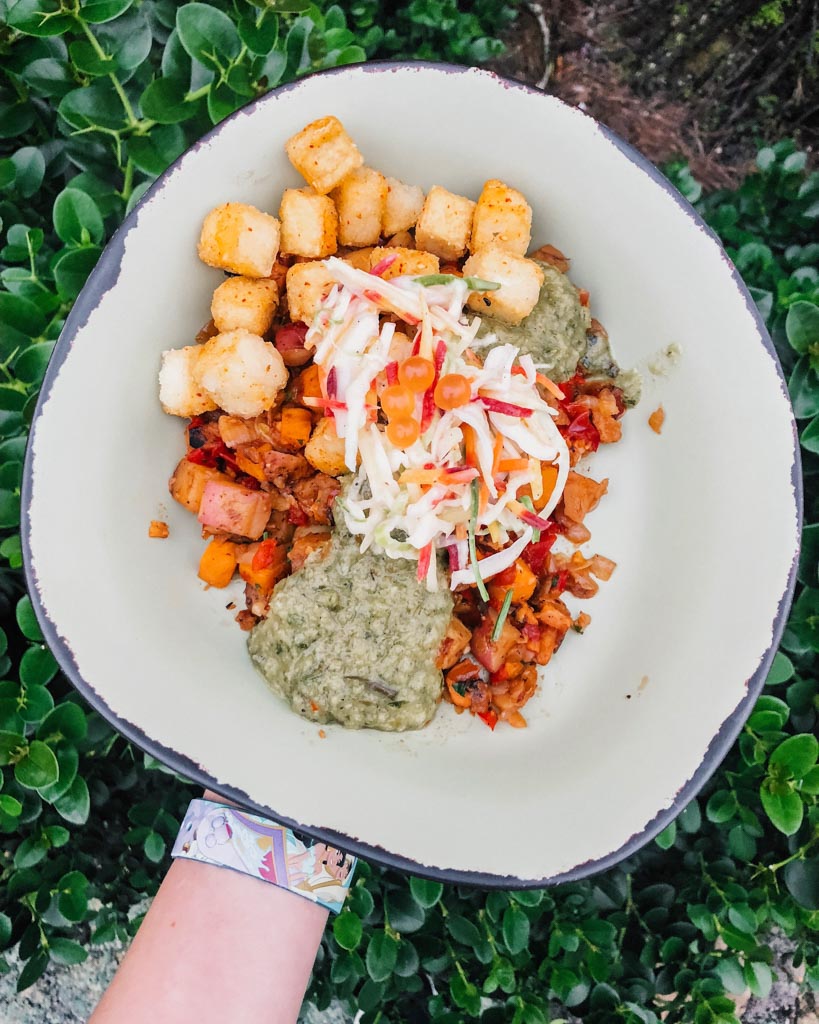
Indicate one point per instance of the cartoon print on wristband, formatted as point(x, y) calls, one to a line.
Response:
point(228, 837)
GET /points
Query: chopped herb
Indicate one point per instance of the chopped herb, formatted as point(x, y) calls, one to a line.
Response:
point(507, 601)
point(527, 502)
point(477, 284)
point(473, 553)
point(460, 689)
point(428, 280)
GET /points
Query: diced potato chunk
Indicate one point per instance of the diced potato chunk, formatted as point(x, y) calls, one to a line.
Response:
point(359, 258)
point(520, 280)
point(308, 284)
point(360, 200)
point(325, 449)
point(188, 483)
point(241, 239)
point(503, 219)
point(245, 302)
point(402, 207)
point(408, 262)
point(242, 372)
point(323, 153)
point(445, 224)
point(309, 223)
point(179, 392)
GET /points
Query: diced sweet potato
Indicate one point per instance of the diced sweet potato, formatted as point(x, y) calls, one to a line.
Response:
point(522, 584)
point(241, 239)
point(323, 153)
point(218, 563)
point(325, 449)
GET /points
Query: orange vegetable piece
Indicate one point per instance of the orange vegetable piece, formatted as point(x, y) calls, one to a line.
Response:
point(656, 419)
point(218, 563)
point(158, 529)
point(297, 425)
point(248, 466)
point(264, 579)
point(581, 495)
point(522, 586)
point(307, 384)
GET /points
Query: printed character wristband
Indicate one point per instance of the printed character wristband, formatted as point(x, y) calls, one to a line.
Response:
point(225, 836)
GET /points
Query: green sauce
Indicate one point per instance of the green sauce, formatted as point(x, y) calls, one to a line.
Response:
point(352, 638)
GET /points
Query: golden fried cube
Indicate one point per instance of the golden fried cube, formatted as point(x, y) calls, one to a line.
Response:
point(408, 262)
point(361, 259)
point(520, 280)
point(309, 223)
point(245, 302)
point(308, 284)
point(360, 202)
point(445, 224)
point(323, 153)
point(241, 239)
point(502, 219)
point(402, 207)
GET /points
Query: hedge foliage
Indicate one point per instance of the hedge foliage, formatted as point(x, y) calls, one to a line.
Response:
point(96, 98)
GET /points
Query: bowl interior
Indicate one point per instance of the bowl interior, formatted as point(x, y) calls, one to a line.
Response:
point(702, 520)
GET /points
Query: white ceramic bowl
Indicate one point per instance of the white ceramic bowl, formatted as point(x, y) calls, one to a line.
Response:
point(703, 520)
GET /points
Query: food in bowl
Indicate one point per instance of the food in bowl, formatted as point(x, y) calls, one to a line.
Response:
point(385, 413)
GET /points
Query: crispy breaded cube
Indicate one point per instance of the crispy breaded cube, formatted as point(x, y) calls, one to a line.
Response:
point(309, 223)
point(403, 240)
point(402, 207)
point(520, 280)
point(241, 239)
point(179, 392)
point(502, 219)
point(242, 372)
point(325, 449)
point(323, 153)
point(245, 302)
point(360, 202)
point(408, 262)
point(359, 258)
point(308, 284)
point(444, 224)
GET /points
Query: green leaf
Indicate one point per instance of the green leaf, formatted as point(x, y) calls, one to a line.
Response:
point(403, 913)
point(93, 106)
point(781, 670)
point(154, 847)
point(260, 34)
point(37, 666)
point(99, 11)
point(515, 929)
point(759, 978)
point(731, 976)
point(721, 806)
point(38, 17)
point(802, 326)
point(463, 930)
point(222, 101)
point(36, 704)
point(32, 363)
point(10, 744)
point(465, 995)
point(21, 314)
point(30, 852)
point(73, 895)
point(810, 782)
point(742, 918)
point(68, 761)
point(32, 971)
point(797, 755)
point(741, 845)
point(153, 152)
point(782, 805)
point(66, 951)
point(347, 930)
point(38, 767)
point(66, 721)
point(407, 962)
point(9, 509)
point(76, 217)
point(49, 77)
point(56, 835)
point(425, 893)
point(382, 954)
point(809, 438)
point(27, 620)
point(665, 840)
point(11, 806)
point(207, 34)
point(5, 930)
point(74, 805)
point(802, 880)
point(164, 101)
point(72, 269)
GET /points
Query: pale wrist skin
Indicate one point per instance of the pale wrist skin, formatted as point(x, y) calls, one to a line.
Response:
point(216, 945)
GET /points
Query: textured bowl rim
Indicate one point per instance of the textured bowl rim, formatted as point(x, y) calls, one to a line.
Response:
point(105, 276)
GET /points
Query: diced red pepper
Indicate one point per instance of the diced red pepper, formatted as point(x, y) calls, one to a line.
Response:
point(490, 717)
point(424, 558)
point(266, 554)
point(427, 409)
point(440, 356)
point(536, 555)
point(582, 429)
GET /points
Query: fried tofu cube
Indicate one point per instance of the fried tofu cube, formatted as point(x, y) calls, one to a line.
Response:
point(245, 302)
point(402, 207)
point(361, 259)
point(325, 449)
point(242, 372)
point(520, 281)
point(407, 262)
point(445, 224)
point(241, 239)
point(403, 239)
point(179, 392)
point(308, 284)
point(360, 200)
point(309, 223)
point(502, 219)
point(323, 153)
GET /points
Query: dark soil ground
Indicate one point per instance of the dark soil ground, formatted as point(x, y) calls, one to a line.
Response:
point(707, 81)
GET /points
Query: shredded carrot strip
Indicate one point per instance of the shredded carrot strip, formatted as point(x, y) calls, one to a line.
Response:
point(550, 386)
point(513, 465)
point(470, 445)
point(496, 454)
point(483, 499)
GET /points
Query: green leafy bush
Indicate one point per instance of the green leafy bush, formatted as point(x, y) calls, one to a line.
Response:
point(96, 98)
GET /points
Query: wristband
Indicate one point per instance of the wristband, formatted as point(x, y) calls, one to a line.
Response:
point(227, 837)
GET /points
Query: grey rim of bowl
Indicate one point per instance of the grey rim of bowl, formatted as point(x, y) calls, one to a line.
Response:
point(104, 277)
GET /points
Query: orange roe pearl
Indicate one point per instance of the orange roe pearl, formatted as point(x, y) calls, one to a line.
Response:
point(452, 391)
point(416, 373)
